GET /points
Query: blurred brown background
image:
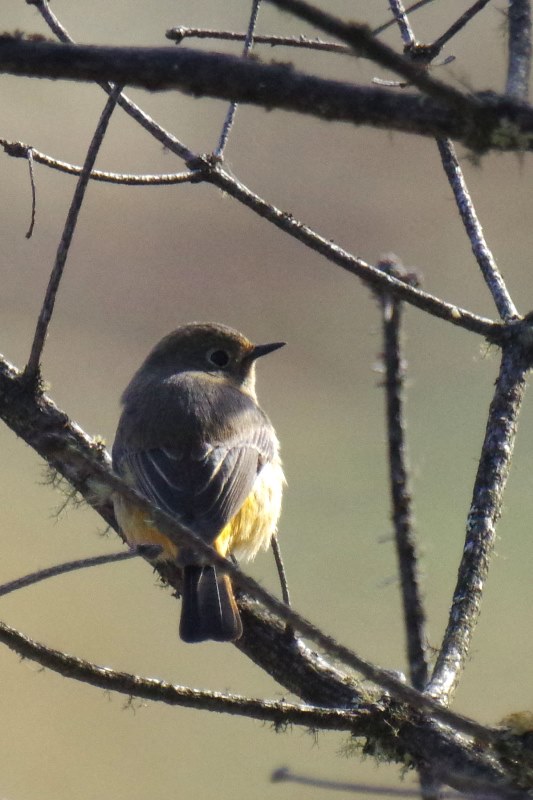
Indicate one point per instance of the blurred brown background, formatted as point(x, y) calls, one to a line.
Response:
point(147, 259)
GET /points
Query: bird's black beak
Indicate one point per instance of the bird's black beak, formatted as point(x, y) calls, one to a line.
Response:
point(263, 349)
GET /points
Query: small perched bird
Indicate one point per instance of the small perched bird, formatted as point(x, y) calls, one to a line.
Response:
point(193, 440)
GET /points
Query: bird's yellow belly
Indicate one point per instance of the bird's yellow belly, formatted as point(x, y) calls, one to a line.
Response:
point(250, 529)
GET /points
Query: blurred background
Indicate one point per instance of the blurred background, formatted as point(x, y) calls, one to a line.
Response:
point(143, 261)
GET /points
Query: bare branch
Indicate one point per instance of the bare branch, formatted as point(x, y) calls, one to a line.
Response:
point(482, 253)
point(232, 110)
point(180, 33)
point(519, 64)
point(363, 42)
point(61, 569)
point(372, 276)
point(278, 712)
point(409, 10)
point(457, 26)
point(399, 14)
point(480, 776)
point(491, 478)
point(33, 196)
point(32, 368)
point(414, 616)
point(481, 122)
point(132, 109)
point(282, 220)
point(21, 150)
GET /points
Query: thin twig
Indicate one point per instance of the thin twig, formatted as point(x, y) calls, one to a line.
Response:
point(32, 368)
point(459, 24)
point(482, 253)
point(21, 150)
point(519, 63)
point(280, 566)
point(166, 138)
point(30, 157)
point(232, 110)
point(61, 569)
point(413, 608)
point(365, 43)
point(370, 275)
point(491, 478)
point(180, 33)
point(409, 10)
point(282, 575)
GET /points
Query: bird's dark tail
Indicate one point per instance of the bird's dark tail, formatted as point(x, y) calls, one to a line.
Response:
point(208, 609)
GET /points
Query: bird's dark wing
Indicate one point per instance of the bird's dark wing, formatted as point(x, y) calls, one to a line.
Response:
point(203, 486)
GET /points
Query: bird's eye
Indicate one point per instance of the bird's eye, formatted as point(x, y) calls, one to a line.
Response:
point(220, 358)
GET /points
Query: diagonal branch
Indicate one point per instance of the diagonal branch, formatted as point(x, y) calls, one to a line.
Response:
point(485, 510)
point(284, 221)
point(132, 109)
point(459, 24)
point(60, 569)
point(372, 276)
point(480, 248)
point(31, 372)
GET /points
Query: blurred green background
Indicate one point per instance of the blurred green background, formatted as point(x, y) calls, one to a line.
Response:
point(147, 259)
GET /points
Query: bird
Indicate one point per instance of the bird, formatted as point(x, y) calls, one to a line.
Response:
point(193, 440)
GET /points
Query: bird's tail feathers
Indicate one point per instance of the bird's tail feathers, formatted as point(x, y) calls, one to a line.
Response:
point(209, 610)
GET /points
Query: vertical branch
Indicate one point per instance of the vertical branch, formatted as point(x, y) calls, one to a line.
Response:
point(491, 478)
point(414, 616)
point(399, 13)
point(480, 248)
point(519, 64)
point(31, 371)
